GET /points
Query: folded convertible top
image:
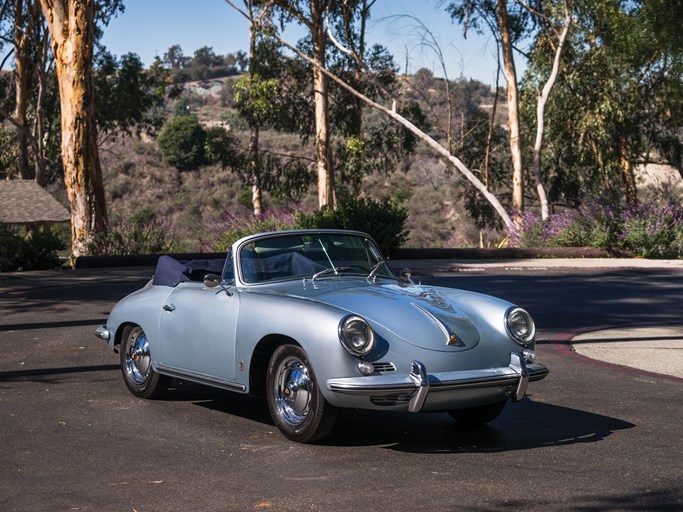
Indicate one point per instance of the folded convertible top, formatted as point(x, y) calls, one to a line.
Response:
point(171, 272)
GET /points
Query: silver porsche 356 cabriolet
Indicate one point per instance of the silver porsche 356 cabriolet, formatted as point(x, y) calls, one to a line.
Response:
point(316, 320)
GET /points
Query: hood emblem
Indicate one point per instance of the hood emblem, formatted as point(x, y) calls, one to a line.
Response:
point(453, 341)
point(436, 300)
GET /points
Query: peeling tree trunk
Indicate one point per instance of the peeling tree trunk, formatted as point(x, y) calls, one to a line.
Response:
point(513, 112)
point(22, 36)
point(256, 192)
point(72, 28)
point(540, 116)
point(321, 95)
point(628, 177)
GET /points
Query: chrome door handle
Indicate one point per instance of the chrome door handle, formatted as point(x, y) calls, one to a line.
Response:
point(169, 307)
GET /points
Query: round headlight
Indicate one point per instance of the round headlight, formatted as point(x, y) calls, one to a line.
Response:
point(520, 326)
point(356, 335)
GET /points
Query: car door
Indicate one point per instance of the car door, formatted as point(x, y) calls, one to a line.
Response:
point(197, 331)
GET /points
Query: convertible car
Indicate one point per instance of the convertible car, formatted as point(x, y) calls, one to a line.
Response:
point(316, 320)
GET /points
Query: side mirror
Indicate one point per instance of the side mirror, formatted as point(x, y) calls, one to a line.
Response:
point(212, 280)
point(404, 275)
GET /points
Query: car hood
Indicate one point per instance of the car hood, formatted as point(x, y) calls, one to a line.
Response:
point(428, 317)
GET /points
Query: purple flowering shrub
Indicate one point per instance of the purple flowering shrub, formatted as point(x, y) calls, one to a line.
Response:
point(133, 236)
point(384, 220)
point(242, 222)
point(652, 229)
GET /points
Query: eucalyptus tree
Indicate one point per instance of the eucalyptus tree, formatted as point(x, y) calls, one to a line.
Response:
point(620, 98)
point(72, 29)
point(26, 33)
point(547, 24)
point(508, 24)
point(311, 14)
point(393, 113)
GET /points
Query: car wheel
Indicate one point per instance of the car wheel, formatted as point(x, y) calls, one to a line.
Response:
point(296, 404)
point(478, 415)
point(136, 365)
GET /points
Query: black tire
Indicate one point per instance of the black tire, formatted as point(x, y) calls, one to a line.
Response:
point(478, 415)
point(136, 365)
point(295, 402)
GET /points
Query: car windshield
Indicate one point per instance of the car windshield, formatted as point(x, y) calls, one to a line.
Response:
point(316, 255)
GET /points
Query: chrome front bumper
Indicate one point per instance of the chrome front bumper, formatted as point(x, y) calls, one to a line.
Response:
point(419, 386)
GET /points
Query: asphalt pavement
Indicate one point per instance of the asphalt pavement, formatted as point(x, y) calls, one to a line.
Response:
point(587, 438)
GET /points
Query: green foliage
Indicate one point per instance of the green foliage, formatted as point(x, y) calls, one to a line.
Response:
point(205, 64)
point(232, 118)
point(257, 99)
point(129, 98)
point(222, 147)
point(8, 153)
point(36, 252)
point(383, 220)
point(182, 143)
point(623, 71)
point(140, 234)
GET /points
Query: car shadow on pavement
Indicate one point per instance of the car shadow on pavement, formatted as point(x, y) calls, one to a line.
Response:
point(47, 375)
point(520, 427)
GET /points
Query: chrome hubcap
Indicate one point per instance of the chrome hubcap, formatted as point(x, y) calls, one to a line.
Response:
point(293, 389)
point(138, 361)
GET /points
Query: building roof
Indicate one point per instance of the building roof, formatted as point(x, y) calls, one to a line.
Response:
point(25, 202)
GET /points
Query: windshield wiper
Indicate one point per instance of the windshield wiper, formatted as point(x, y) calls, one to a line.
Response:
point(336, 271)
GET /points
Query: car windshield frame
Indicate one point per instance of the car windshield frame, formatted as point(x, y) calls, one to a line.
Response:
point(314, 255)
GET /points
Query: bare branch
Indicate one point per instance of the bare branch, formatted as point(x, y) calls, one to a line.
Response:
point(406, 123)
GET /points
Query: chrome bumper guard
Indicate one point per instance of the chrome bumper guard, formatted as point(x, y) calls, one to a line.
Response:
point(419, 385)
point(103, 333)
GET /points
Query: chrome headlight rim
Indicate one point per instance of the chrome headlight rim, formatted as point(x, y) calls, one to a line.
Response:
point(530, 336)
point(354, 322)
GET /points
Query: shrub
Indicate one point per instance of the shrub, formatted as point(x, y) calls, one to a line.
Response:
point(181, 143)
point(141, 234)
point(243, 222)
point(653, 229)
point(653, 232)
point(383, 220)
point(36, 252)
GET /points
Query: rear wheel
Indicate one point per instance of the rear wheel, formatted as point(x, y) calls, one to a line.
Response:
point(478, 415)
point(294, 399)
point(136, 365)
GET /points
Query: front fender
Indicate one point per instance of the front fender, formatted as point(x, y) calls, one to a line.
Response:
point(312, 325)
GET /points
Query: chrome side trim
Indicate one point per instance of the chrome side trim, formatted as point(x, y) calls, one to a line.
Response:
point(200, 379)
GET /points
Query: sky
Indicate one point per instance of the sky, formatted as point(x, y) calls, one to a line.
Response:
point(150, 27)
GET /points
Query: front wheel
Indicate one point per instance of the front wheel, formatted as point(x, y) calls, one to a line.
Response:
point(136, 365)
point(478, 415)
point(294, 399)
